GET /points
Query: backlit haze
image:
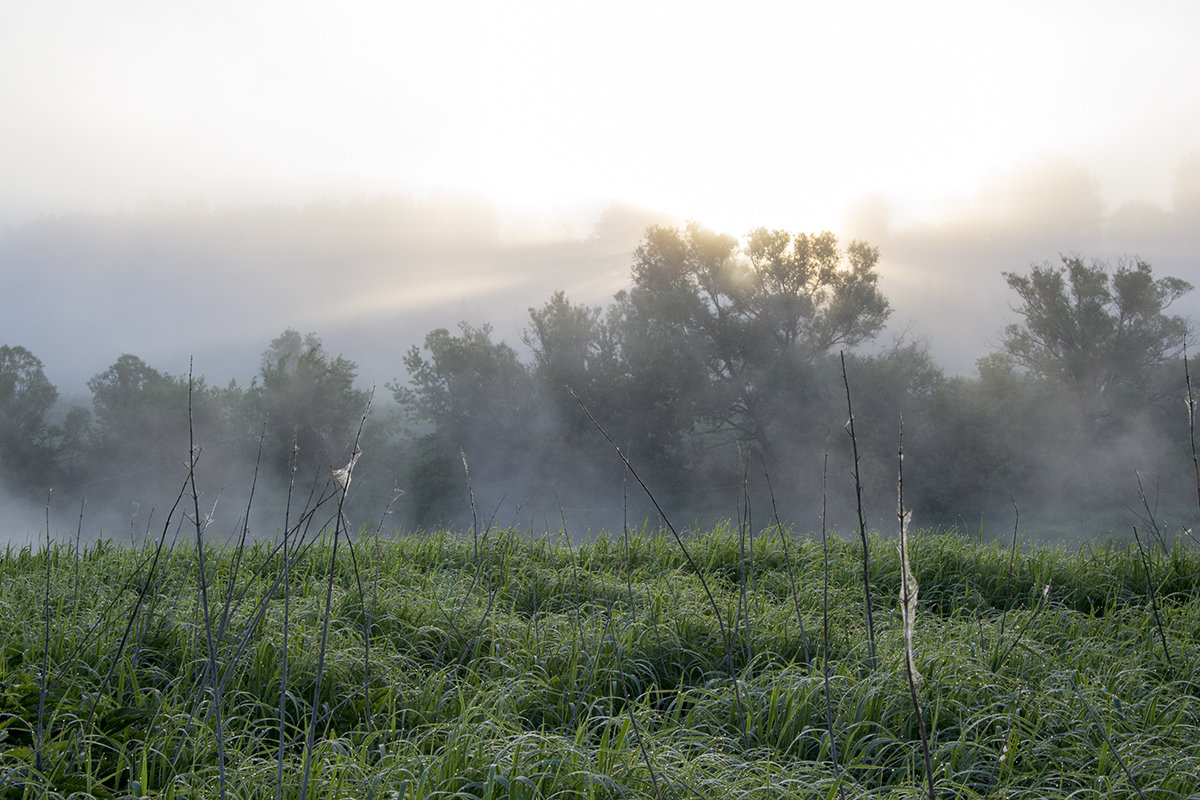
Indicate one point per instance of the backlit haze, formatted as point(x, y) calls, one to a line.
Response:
point(188, 179)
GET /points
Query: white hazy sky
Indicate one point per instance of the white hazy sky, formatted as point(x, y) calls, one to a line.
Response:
point(736, 114)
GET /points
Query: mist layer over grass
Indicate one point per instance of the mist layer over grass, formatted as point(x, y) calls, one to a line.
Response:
point(503, 666)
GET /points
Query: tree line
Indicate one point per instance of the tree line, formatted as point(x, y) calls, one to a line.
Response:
point(725, 373)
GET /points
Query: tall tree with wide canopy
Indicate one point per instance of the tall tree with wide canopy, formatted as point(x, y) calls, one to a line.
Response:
point(1097, 331)
point(138, 408)
point(725, 332)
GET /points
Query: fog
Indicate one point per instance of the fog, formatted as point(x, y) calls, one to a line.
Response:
point(176, 282)
point(207, 288)
point(945, 277)
point(171, 283)
point(188, 185)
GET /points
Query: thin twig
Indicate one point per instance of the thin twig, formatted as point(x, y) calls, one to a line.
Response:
point(471, 497)
point(787, 559)
point(1153, 602)
point(833, 753)
point(1191, 406)
point(1037, 610)
point(341, 479)
point(712, 600)
point(745, 528)
point(637, 731)
point(862, 525)
point(287, 599)
point(1012, 557)
point(78, 536)
point(228, 608)
point(200, 524)
point(41, 712)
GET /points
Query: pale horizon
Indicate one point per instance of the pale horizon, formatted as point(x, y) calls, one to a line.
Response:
point(961, 140)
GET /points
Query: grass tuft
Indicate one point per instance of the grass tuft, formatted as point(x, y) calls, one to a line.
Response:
point(536, 670)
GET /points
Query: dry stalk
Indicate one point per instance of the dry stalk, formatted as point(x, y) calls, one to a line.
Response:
point(833, 753)
point(787, 559)
point(908, 612)
point(1012, 556)
point(341, 479)
point(1153, 601)
point(712, 600)
point(1191, 406)
point(200, 524)
point(1112, 748)
point(287, 600)
point(862, 525)
point(39, 733)
point(745, 528)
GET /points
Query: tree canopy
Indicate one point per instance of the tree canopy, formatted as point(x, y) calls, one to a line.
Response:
point(1097, 330)
point(25, 397)
point(307, 397)
point(726, 330)
point(718, 349)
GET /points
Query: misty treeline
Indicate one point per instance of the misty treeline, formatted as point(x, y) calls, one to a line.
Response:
point(724, 372)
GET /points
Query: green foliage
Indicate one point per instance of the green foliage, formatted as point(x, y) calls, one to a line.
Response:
point(26, 447)
point(139, 438)
point(721, 333)
point(136, 439)
point(575, 346)
point(719, 363)
point(467, 384)
point(477, 398)
point(534, 669)
point(1096, 330)
point(133, 403)
point(309, 400)
point(714, 347)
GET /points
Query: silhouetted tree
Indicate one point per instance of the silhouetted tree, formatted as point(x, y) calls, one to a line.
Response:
point(308, 397)
point(467, 393)
point(26, 447)
point(138, 409)
point(139, 441)
point(573, 345)
point(725, 334)
point(1099, 332)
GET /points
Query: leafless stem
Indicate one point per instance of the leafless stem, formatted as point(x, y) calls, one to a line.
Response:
point(41, 712)
point(712, 600)
point(78, 537)
point(200, 524)
point(1153, 602)
point(1041, 604)
point(471, 497)
point(287, 600)
point(787, 558)
point(745, 530)
point(908, 608)
point(833, 752)
point(1191, 406)
point(1012, 557)
point(862, 525)
point(341, 479)
point(1104, 732)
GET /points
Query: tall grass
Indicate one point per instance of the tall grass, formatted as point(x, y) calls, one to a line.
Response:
point(597, 671)
point(660, 665)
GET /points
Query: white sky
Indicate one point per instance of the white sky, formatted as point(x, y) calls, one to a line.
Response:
point(736, 114)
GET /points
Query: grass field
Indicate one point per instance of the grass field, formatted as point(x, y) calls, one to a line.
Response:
point(503, 666)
